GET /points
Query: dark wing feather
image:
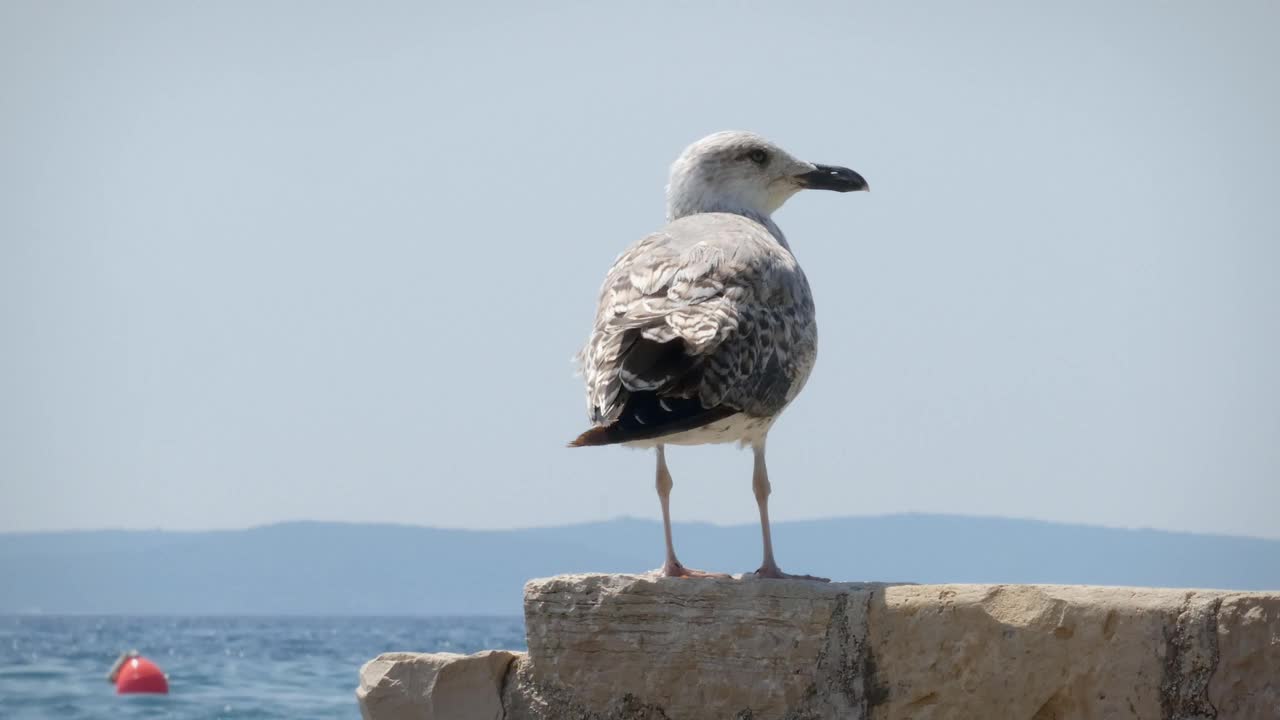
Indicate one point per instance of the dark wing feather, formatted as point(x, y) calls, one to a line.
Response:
point(661, 381)
point(648, 415)
point(650, 365)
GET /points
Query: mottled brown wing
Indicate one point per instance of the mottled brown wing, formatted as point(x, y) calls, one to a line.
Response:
point(686, 328)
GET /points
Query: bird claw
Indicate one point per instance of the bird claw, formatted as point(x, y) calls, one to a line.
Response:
point(675, 569)
point(771, 572)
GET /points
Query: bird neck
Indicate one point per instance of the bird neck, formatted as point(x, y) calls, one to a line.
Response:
point(677, 209)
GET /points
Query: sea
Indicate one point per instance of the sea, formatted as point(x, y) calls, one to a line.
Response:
point(54, 667)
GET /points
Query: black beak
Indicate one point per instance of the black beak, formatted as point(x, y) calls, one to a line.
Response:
point(831, 177)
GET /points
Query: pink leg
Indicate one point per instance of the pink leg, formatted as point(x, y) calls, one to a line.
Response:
point(672, 567)
point(760, 484)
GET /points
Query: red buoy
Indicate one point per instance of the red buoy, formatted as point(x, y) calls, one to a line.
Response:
point(137, 674)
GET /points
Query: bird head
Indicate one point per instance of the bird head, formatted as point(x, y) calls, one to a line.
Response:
point(736, 171)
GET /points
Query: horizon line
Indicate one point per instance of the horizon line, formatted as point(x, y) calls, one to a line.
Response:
point(625, 518)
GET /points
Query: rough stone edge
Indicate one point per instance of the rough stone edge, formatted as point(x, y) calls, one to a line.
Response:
point(397, 659)
point(523, 698)
point(844, 675)
point(1191, 659)
point(844, 667)
point(1190, 663)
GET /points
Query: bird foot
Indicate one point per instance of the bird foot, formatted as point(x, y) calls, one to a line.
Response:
point(772, 572)
point(673, 568)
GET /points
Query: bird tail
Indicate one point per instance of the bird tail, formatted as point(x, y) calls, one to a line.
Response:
point(648, 417)
point(596, 436)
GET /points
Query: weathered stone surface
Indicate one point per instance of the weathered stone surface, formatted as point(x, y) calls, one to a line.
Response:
point(705, 648)
point(621, 647)
point(439, 686)
point(1034, 652)
point(1247, 681)
point(709, 648)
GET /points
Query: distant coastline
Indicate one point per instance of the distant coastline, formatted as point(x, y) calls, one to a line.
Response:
point(337, 569)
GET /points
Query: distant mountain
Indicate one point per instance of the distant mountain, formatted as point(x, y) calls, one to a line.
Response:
point(344, 569)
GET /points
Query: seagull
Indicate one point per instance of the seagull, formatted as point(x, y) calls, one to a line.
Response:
point(705, 330)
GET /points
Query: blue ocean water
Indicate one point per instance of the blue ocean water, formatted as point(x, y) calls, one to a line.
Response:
point(218, 667)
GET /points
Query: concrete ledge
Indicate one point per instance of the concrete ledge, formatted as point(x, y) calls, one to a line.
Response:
point(624, 647)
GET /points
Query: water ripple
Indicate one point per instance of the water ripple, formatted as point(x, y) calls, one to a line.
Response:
point(218, 667)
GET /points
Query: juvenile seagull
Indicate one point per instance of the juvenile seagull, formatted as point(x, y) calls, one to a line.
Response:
point(705, 330)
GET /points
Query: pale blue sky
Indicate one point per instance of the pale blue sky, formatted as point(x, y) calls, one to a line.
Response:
point(284, 260)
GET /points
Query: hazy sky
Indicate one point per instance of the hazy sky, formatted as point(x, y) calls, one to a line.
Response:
point(287, 260)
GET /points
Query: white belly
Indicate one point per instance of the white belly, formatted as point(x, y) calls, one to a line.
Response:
point(739, 428)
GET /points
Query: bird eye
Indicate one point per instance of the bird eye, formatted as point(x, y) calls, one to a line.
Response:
point(758, 157)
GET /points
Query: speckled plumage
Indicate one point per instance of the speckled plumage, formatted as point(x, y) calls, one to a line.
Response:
point(705, 330)
point(736, 298)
